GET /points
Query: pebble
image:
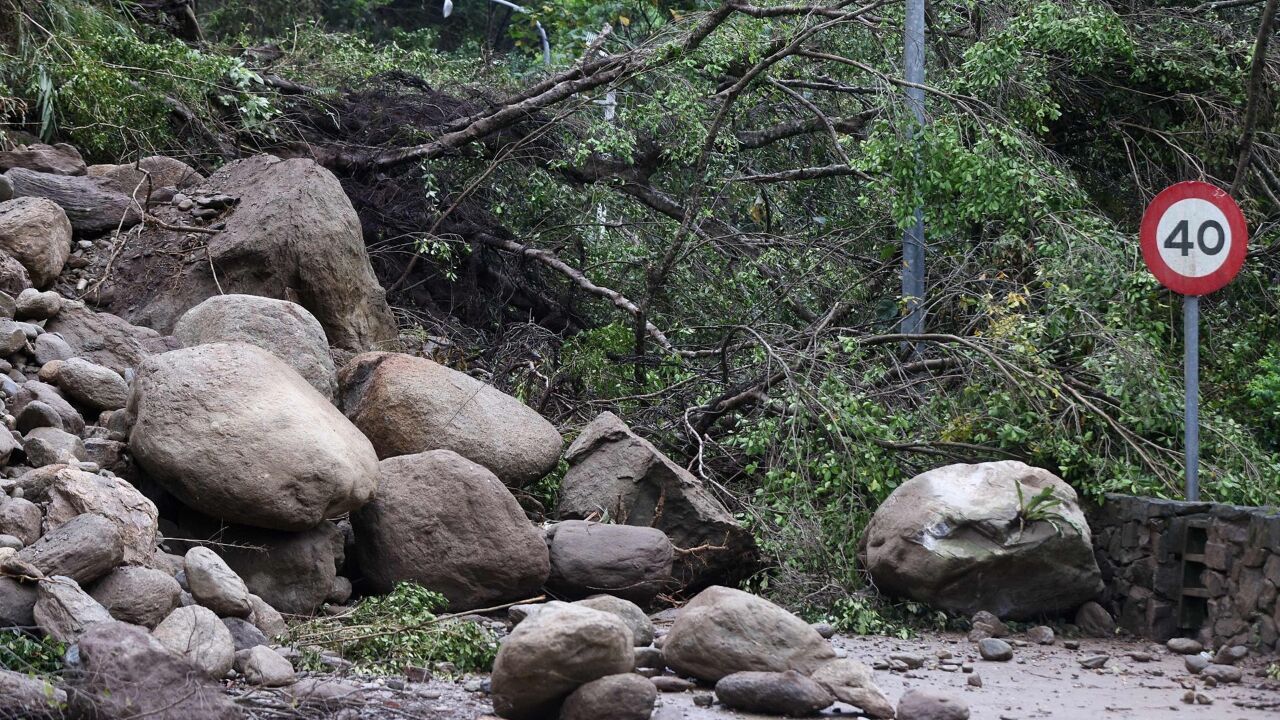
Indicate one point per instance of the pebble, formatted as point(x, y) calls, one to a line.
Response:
point(1140, 657)
point(1071, 644)
point(1223, 673)
point(669, 684)
point(826, 630)
point(1231, 655)
point(975, 680)
point(703, 700)
point(1041, 635)
point(911, 660)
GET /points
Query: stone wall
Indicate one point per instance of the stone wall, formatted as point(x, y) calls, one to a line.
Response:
point(1201, 570)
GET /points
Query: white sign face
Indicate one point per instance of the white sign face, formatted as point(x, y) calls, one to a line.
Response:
point(1193, 237)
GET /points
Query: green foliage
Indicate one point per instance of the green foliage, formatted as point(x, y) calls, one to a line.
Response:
point(25, 653)
point(385, 634)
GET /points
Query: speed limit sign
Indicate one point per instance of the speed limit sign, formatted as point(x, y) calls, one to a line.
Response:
point(1193, 238)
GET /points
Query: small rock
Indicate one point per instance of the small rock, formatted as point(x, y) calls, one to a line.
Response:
point(910, 660)
point(826, 630)
point(920, 704)
point(1093, 662)
point(64, 611)
point(244, 635)
point(260, 665)
point(1140, 657)
point(1071, 644)
point(649, 657)
point(1230, 655)
point(671, 684)
point(1041, 635)
point(989, 623)
point(995, 650)
point(1094, 620)
point(851, 682)
point(704, 701)
point(1184, 646)
point(1223, 674)
point(1202, 699)
point(1196, 663)
point(975, 680)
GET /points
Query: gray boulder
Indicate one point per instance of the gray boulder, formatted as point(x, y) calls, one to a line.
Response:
point(851, 682)
point(137, 595)
point(195, 634)
point(84, 549)
point(59, 159)
point(955, 538)
point(215, 585)
point(36, 233)
point(260, 665)
point(124, 674)
point(30, 390)
point(30, 697)
point(147, 175)
point(244, 634)
point(773, 693)
point(278, 454)
point(51, 446)
point(924, 704)
point(280, 327)
point(450, 525)
point(408, 405)
point(1094, 620)
point(723, 631)
point(292, 572)
point(614, 472)
point(266, 618)
point(106, 340)
point(617, 697)
point(17, 601)
point(64, 611)
point(91, 204)
point(264, 249)
point(33, 305)
point(93, 386)
point(20, 518)
point(628, 612)
point(72, 493)
point(623, 560)
point(552, 653)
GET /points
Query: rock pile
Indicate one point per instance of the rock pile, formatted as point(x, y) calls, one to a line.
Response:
point(284, 477)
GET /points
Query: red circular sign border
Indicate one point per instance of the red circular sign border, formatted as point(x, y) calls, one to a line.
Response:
point(1183, 284)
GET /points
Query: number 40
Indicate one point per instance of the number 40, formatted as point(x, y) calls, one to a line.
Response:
point(1180, 238)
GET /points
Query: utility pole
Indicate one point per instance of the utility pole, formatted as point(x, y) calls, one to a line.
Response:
point(913, 238)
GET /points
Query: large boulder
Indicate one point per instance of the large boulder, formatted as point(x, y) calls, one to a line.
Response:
point(94, 386)
point(551, 654)
point(84, 549)
point(105, 339)
point(450, 525)
point(958, 538)
point(622, 560)
point(36, 233)
point(72, 493)
point(293, 235)
point(724, 631)
point(772, 693)
point(215, 585)
point(147, 175)
point(122, 673)
point(64, 611)
point(280, 327)
point(196, 634)
point(31, 697)
point(289, 571)
point(407, 405)
point(617, 697)
point(138, 595)
point(614, 472)
point(59, 159)
point(92, 205)
point(237, 434)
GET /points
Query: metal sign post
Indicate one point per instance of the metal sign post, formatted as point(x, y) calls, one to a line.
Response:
point(1193, 240)
point(913, 238)
point(1191, 403)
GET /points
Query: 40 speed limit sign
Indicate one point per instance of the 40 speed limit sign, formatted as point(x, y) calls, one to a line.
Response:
point(1193, 240)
